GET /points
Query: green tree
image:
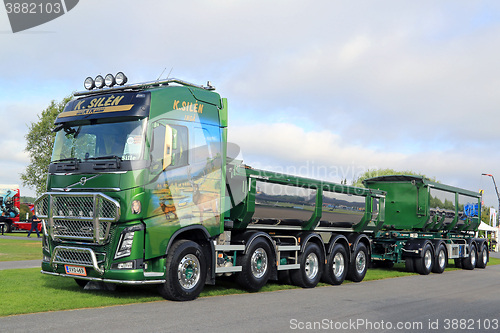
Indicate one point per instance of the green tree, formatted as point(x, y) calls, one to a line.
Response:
point(384, 172)
point(39, 143)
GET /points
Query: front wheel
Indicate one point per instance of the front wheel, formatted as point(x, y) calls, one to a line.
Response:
point(470, 262)
point(424, 265)
point(358, 266)
point(441, 260)
point(255, 265)
point(186, 272)
point(311, 267)
point(483, 257)
point(336, 266)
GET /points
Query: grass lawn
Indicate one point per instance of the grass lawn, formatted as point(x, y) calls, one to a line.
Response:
point(17, 249)
point(30, 292)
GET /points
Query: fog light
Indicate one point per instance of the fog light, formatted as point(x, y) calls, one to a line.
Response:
point(109, 80)
point(89, 83)
point(126, 265)
point(99, 82)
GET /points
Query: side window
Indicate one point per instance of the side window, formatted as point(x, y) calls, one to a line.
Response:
point(180, 146)
point(170, 141)
point(202, 149)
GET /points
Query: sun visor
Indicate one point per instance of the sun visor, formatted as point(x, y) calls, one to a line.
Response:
point(128, 104)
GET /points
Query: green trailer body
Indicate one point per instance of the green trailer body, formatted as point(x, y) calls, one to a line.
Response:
point(426, 224)
point(141, 190)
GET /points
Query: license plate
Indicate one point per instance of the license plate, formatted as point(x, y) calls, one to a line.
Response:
point(75, 270)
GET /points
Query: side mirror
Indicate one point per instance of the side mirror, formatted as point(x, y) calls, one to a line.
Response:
point(170, 146)
point(167, 152)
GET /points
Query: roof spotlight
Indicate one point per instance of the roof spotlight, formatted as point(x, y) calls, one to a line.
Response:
point(99, 82)
point(109, 80)
point(121, 79)
point(89, 83)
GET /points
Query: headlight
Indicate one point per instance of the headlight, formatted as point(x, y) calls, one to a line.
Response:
point(125, 245)
point(109, 80)
point(99, 82)
point(89, 83)
point(120, 78)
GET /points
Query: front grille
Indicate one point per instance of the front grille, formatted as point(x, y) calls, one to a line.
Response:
point(78, 216)
point(67, 255)
point(75, 229)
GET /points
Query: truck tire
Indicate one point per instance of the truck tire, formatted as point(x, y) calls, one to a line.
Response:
point(359, 264)
point(423, 266)
point(483, 256)
point(255, 265)
point(410, 264)
point(441, 260)
point(8, 227)
point(470, 262)
point(81, 283)
point(336, 266)
point(311, 267)
point(186, 272)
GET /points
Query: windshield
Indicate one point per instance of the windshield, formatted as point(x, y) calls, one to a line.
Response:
point(124, 140)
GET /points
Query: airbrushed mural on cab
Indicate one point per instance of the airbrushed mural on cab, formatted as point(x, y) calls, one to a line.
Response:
point(188, 190)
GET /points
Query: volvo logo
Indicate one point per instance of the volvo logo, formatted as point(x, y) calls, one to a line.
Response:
point(81, 182)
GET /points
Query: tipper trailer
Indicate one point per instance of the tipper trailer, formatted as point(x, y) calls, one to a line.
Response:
point(141, 190)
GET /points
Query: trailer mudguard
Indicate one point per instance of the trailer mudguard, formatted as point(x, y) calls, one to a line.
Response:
point(306, 237)
point(413, 247)
point(354, 240)
point(247, 237)
point(340, 239)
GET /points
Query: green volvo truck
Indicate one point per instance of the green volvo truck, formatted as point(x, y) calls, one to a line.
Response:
point(143, 188)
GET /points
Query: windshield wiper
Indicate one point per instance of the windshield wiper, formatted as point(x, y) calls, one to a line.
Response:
point(74, 159)
point(107, 157)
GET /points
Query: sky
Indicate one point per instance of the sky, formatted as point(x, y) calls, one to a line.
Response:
point(325, 89)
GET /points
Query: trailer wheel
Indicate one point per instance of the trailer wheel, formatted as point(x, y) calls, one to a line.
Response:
point(311, 267)
point(424, 265)
point(255, 265)
point(186, 271)
point(336, 266)
point(441, 260)
point(470, 262)
point(483, 257)
point(81, 283)
point(410, 264)
point(359, 265)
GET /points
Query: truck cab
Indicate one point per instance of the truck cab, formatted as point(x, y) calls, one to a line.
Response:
point(131, 167)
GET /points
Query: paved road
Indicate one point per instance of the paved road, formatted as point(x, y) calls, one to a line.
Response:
point(22, 237)
point(412, 300)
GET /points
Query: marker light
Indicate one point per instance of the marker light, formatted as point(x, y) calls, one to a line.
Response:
point(121, 79)
point(89, 83)
point(99, 82)
point(109, 80)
